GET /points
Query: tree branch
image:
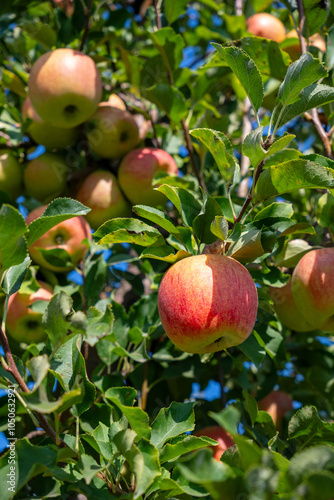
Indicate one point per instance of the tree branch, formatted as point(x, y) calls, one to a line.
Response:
point(314, 113)
point(86, 28)
point(157, 14)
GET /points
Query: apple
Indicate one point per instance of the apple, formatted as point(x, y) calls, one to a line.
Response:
point(313, 288)
point(266, 26)
point(23, 324)
point(68, 235)
point(294, 49)
point(277, 404)
point(46, 134)
point(101, 193)
point(10, 174)
point(207, 303)
point(219, 434)
point(287, 310)
point(66, 5)
point(136, 173)
point(45, 177)
point(65, 87)
point(112, 132)
point(115, 101)
point(142, 124)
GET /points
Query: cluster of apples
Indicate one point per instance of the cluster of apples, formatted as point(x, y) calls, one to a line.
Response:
point(267, 26)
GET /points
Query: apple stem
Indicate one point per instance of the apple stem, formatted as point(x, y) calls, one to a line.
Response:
point(314, 112)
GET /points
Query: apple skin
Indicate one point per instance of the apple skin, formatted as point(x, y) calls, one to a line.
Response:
point(137, 171)
point(287, 310)
point(207, 303)
point(45, 177)
point(115, 101)
point(313, 288)
point(219, 434)
point(112, 132)
point(266, 26)
point(101, 193)
point(46, 134)
point(65, 87)
point(67, 235)
point(10, 174)
point(23, 324)
point(277, 404)
point(294, 50)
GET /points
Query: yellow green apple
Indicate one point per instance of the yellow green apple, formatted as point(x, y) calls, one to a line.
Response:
point(68, 235)
point(112, 132)
point(10, 174)
point(45, 177)
point(287, 310)
point(313, 288)
point(207, 303)
point(23, 324)
point(46, 134)
point(101, 193)
point(65, 87)
point(136, 173)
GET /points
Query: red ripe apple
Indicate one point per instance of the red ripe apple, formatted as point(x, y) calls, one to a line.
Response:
point(65, 87)
point(10, 174)
point(112, 132)
point(219, 434)
point(45, 177)
point(46, 134)
point(287, 310)
point(67, 235)
point(23, 324)
point(207, 303)
point(313, 288)
point(101, 193)
point(137, 171)
point(277, 404)
point(266, 26)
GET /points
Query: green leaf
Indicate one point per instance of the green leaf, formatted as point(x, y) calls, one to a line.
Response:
point(315, 458)
point(38, 401)
point(169, 100)
point(248, 246)
point(99, 324)
point(164, 253)
point(220, 147)
point(307, 427)
point(122, 230)
point(173, 10)
point(203, 222)
point(270, 59)
point(158, 217)
point(245, 70)
point(183, 444)
point(14, 276)
point(59, 210)
point(302, 73)
point(228, 418)
point(55, 319)
point(88, 466)
point(316, 14)
point(184, 202)
point(277, 209)
point(136, 417)
point(250, 406)
point(13, 248)
point(252, 147)
point(313, 96)
point(170, 46)
point(219, 227)
point(253, 349)
point(290, 176)
point(39, 368)
point(126, 395)
point(172, 421)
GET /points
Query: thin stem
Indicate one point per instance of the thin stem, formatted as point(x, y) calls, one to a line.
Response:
point(144, 387)
point(245, 162)
point(77, 430)
point(86, 28)
point(31, 435)
point(230, 202)
point(192, 156)
point(157, 14)
point(24, 404)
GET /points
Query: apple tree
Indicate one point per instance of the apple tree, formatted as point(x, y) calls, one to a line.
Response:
point(167, 249)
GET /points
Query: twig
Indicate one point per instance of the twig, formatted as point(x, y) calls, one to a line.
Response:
point(238, 7)
point(31, 435)
point(86, 29)
point(314, 113)
point(245, 163)
point(157, 14)
point(192, 156)
point(11, 368)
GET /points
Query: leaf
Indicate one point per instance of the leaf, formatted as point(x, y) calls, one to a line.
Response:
point(307, 426)
point(313, 96)
point(183, 444)
point(126, 395)
point(202, 223)
point(170, 46)
point(39, 368)
point(277, 209)
point(88, 466)
point(220, 147)
point(57, 211)
point(158, 217)
point(245, 70)
point(302, 73)
point(123, 230)
point(219, 227)
point(290, 176)
point(270, 59)
point(99, 324)
point(250, 406)
point(169, 100)
point(172, 421)
point(252, 147)
point(55, 319)
point(173, 10)
point(164, 253)
point(248, 246)
point(14, 276)
point(136, 417)
point(316, 14)
point(184, 202)
point(13, 248)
